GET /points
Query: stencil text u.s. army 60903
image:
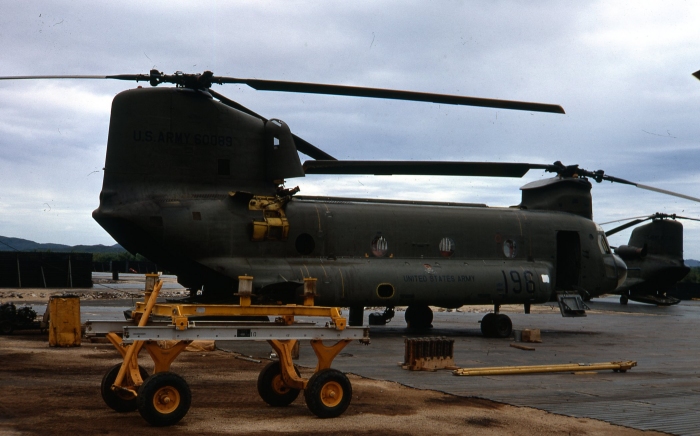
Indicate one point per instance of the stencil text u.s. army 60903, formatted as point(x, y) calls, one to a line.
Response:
point(195, 182)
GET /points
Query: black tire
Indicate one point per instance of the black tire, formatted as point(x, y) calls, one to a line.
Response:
point(502, 326)
point(328, 393)
point(487, 325)
point(119, 401)
point(6, 328)
point(419, 317)
point(272, 389)
point(623, 299)
point(164, 399)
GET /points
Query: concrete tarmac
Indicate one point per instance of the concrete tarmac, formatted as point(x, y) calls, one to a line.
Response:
point(662, 393)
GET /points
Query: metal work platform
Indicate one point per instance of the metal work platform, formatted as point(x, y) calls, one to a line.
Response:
point(164, 397)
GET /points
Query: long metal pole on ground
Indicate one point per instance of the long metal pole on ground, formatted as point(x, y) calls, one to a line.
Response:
point(567, 367)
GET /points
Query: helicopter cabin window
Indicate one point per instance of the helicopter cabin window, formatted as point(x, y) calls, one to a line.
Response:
point(510, 248)
point(224, 167)
point(379, 246)
point(446, 247)
point(603, 244)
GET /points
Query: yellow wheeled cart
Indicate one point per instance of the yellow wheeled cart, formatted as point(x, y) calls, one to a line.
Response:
point(164, 397)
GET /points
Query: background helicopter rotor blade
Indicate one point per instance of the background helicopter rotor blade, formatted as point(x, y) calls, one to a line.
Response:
point(393, 94)
point(301, 144)
point(641, 219)
point(625, 226)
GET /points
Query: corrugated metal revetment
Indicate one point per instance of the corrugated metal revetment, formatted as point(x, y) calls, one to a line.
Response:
point(45, 270)
point(428, 353)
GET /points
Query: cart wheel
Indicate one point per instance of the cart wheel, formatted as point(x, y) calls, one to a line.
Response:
point(328, 393)
point(164, 399)
point(120, 401)
point(6, 328)
point(271, 387)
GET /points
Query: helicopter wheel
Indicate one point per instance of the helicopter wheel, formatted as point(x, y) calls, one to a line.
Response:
point(419, 317)
point(496, 325)
point(623, 299)
point(502, 326)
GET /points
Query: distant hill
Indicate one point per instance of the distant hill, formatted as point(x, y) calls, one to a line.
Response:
point(17, 244)
point(692, 262)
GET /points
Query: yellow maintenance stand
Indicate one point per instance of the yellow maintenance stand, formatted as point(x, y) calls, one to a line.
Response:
point(164, 397)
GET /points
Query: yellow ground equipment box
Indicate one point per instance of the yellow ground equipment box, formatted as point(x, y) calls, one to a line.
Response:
point(64, 321)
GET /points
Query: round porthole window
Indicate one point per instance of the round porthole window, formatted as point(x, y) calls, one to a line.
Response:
point(379, 246)
point(510, 248)
point(447, 247)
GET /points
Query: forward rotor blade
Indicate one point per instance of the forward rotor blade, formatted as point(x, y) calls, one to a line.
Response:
point(53, 77)
point(434, 168)
point(301, 144)
point(697, 74)
point(357, 91)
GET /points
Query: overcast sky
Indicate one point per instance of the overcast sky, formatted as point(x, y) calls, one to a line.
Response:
point(621, 70)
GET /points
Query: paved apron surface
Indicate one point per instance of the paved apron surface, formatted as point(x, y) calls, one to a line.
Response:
point(661, 393)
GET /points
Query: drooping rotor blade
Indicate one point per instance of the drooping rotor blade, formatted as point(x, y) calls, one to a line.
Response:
point(207, 78)
point(393, 94)
point(301, 144)
point(434, 168)
point(53, 77)
point(599, 176)
point(663, 191)
point(641, 219)
point(624, 219)
point(625, 226)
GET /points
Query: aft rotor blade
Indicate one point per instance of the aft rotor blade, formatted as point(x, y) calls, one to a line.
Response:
point(393, 94)
point(433, 168)
point(301, 144)
point(663, 191)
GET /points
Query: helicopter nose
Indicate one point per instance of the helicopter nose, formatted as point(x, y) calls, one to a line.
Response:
point(615, 268)
point(621, 270)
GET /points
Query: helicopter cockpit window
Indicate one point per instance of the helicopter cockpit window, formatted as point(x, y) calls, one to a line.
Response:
point(510, 248)
point(379, 246)
point(603, 244)
point(447, 247)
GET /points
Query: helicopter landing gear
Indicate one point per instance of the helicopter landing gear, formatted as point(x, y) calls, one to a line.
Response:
point(419, 317)
point(624, 299)
point(496, 325)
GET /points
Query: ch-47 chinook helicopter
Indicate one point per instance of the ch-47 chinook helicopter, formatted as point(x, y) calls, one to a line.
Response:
point(195, 182)
point(654, 258)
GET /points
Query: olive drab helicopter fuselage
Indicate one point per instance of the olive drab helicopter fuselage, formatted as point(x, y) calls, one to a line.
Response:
point(196, 183)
